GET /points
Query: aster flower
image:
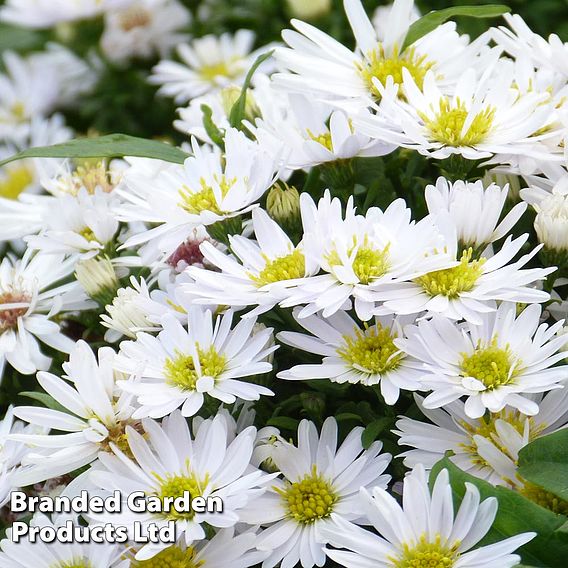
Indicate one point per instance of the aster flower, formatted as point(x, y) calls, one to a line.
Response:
point(424, 531)
point(225, 548)
point(39, 554)
point(472, 286)
point(321, 482)
point(482, 117)
point(209, 187)
point(95, 416)
point(267, 268)
point(168, 461)
point(352, 354)
point(494, 364)
point(208, 63)
point(29, 298)
point(475, 210)
point(505, 432)
point(361, 256)
point(143, 28)
point(179, 367)
point(326, 66)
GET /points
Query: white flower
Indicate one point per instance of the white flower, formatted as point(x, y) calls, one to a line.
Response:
point(326, 66)
point(482, 116)
point(28, 301)
point(493, 364)
point(209, 187)
point(208, 63)
point(311, 134)
point(81, 225)
point(142, 28)
point(95, 416)
point(362, 257)
point(266, 269)
point(47, 13)
point(350, 354)
point(425, 531)
point(470, 288)
point(475, 210)
point(168, 461)
point(179, 367)
point(224, 549)
point(504, 432)
point(321, 481)
point(39, 554)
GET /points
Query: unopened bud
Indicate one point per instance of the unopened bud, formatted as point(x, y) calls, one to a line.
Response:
point(283, 203)
point(309, 9)
point(98, 279)
point(230, 95)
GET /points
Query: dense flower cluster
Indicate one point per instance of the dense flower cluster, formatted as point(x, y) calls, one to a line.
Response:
point(363, 256)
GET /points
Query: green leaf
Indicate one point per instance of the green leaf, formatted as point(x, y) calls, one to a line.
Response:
point(211, 128)
point(544, 462)
point(110, 146)
point(19, 39)
point(237, 113)
point(433, 19)
point(47, 400)
point(373, 430)
point(516, 514)
point(347, 416)
point(284, 422)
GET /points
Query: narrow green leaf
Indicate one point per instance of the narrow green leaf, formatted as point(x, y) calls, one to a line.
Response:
point(284, 422)
point(373, 430)
point(211, 128)
point(19, 39)
point(110, 146)
point(544, 462)
point(433, 19)
point(237, 113)
point(47, 400)
point(515, 515)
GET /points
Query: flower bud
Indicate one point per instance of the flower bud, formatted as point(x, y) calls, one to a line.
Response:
point(230, 95)
point(308, 9)
point(98, 279)
point(283, 203)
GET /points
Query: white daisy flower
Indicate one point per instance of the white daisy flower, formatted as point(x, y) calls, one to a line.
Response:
point(29, 298)
point(179, 367)
point(208, 63)
point(475, 210)
point(493, 364)
point(451, 429)
point(312, 134)
point(96, 415)
point(168, 461)
point(326, 66)
point(39, 554)
point(48, 13)
point(320, 481)
point(225, 549)
point(425, 531)
point(361, 256)
point(481, 117)
point(209, 187)
point(266, 269)
point(143, 28)
point(472, 286)
point(81, 226)
point(366, 356)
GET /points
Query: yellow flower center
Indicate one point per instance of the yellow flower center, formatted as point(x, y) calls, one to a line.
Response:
point(75, 563)
point(286, 267)
point(231, 69)
point(447, 126)
point(310, 499)
point(490, 364)
point(427, 554)
point(181, 372)
point(486, 427)
point(451, 282)
point(18, 111)
point(544, 498)
point(323, 139)
point(15, 181)
point(195, 202)
point(371, 351)
point(174, 486)
point(379, 65)
point(172, 557)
